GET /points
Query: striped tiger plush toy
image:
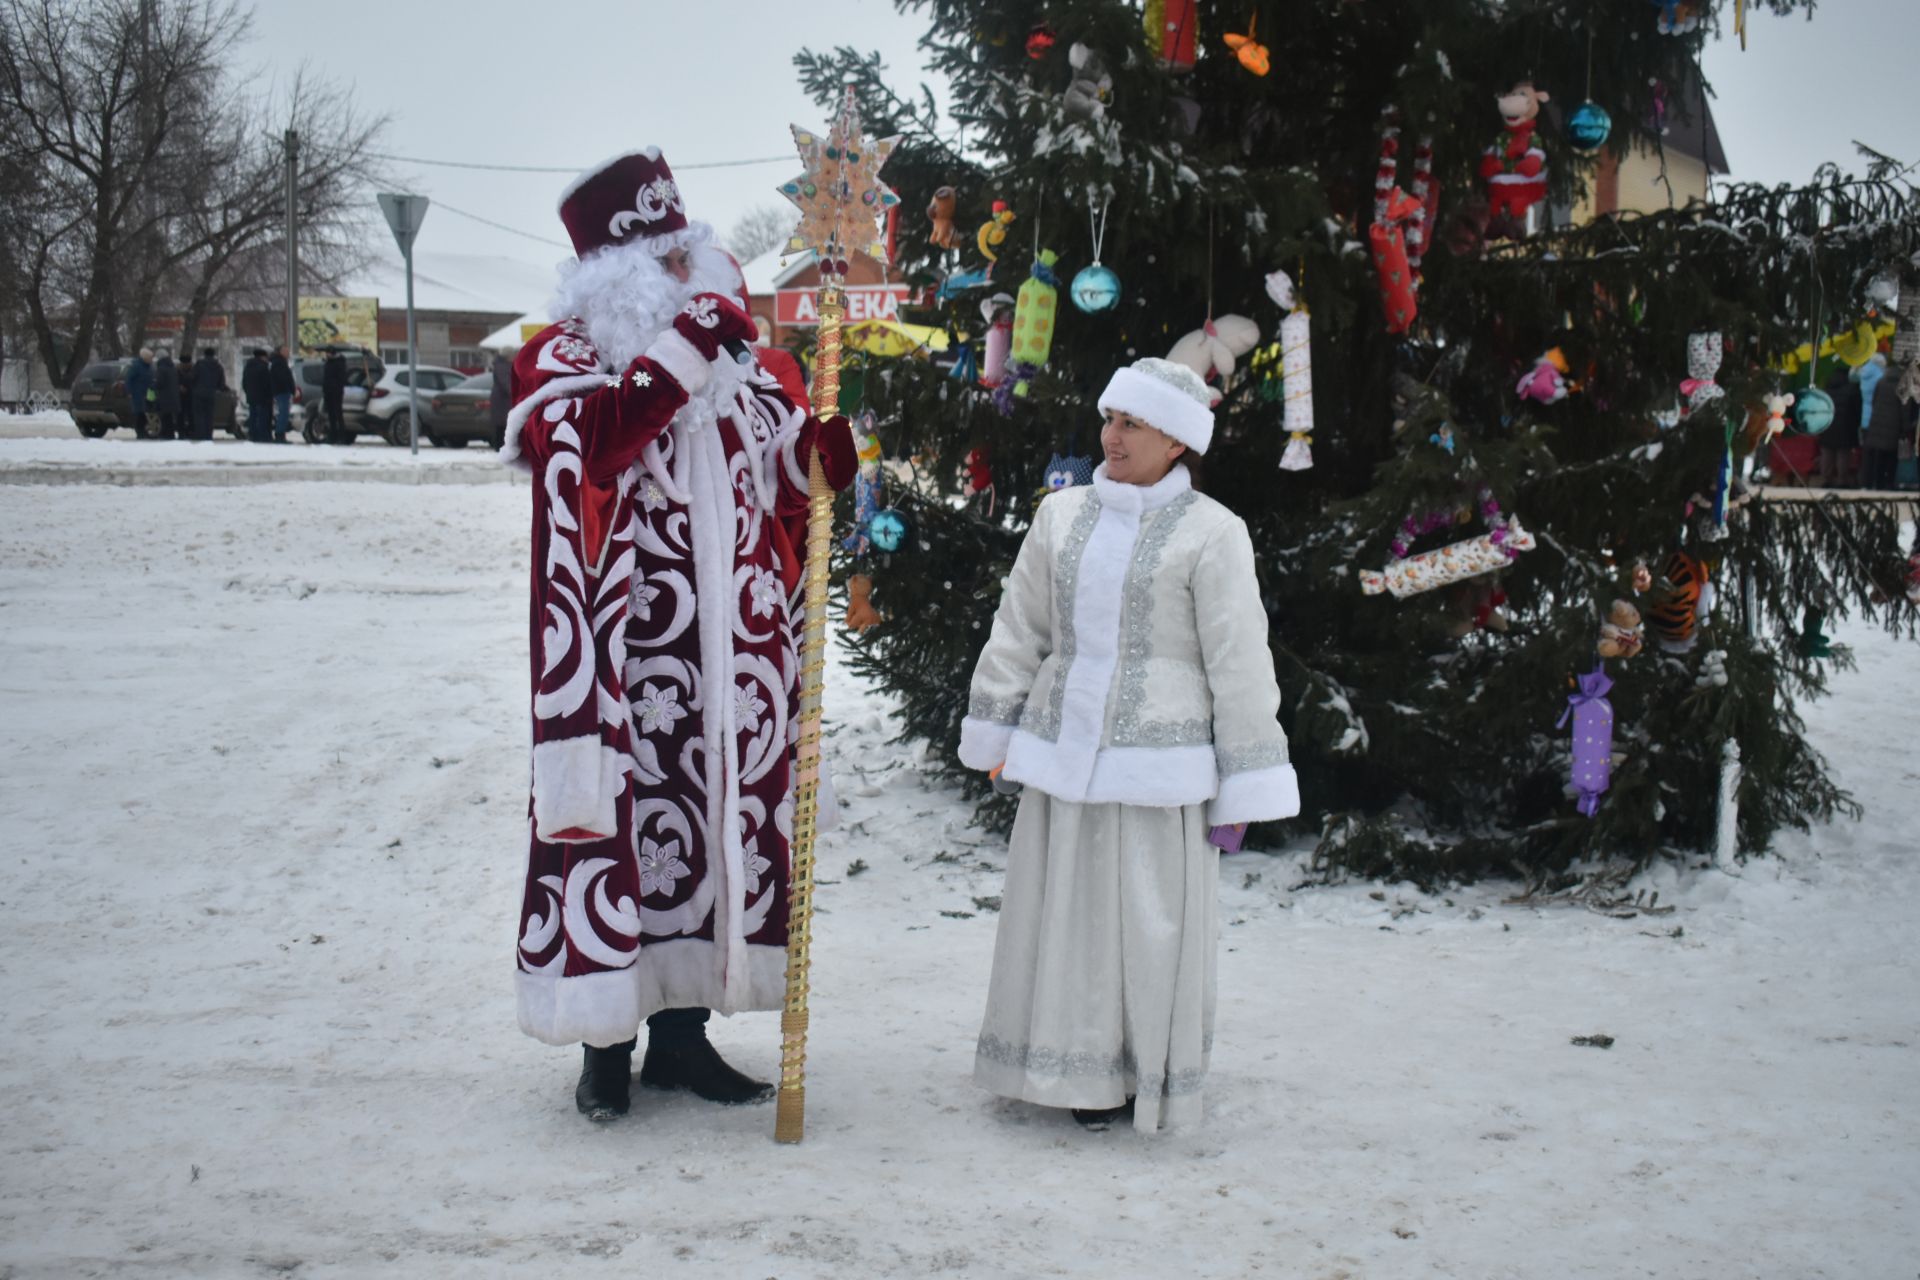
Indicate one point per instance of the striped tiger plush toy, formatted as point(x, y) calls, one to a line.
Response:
point(1687, 596)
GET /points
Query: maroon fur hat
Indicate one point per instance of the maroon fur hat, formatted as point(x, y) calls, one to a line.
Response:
point(628, 199)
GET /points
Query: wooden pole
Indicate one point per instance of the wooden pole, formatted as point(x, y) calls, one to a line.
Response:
point(790, 1117)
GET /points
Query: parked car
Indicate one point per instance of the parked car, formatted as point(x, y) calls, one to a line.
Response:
point(388, 406)
point(458, 416)
point(100, 403)
point(364, 371)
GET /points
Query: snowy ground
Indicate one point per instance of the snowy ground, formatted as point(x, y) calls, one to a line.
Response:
point(260, 824)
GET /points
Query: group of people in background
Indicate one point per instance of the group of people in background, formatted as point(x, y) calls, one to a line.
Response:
point(184, 400)
point(1874, 413)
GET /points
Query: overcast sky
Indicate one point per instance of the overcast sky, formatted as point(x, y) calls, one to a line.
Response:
point(572, 82)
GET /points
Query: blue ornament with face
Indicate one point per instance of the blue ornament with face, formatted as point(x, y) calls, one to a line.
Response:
point(887, 530)
point(1588, 127)
point(1095, 289)
point(1064, 472)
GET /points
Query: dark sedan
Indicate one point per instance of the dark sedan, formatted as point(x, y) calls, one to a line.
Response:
point(100, 403)
point(456, 417)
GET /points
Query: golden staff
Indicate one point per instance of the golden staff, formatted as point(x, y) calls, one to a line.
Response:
point(840, 195)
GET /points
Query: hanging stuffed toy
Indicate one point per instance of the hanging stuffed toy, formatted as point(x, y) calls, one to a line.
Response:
point(1592, 717)
point(1777, 404)
point(1547, 381)
point(1686, 597)
point(1621, 635)
point(1252, 54)
point(997, 311)
point(940, 213)
point(1515, 168)
point(1064, 471)
point(860, 611)
point(866, 483)
point(1173, 32)
point(1033, 320)
point(1704, 353)
point(1212, 349)
point(1678, 17)
point(979, 486)
point(1092, 88)
point(993, 232)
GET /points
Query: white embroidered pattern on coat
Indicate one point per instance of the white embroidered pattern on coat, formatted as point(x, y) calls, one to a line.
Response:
point(660, 866)
point(657, 708)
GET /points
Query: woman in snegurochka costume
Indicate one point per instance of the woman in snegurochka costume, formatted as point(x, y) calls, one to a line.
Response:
point(1127, 686)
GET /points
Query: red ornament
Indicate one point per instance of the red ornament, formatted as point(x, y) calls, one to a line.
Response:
point(1040, 42)
point(1388, 239)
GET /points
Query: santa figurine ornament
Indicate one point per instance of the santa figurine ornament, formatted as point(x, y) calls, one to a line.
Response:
point(669, 480)
point(1514, 167)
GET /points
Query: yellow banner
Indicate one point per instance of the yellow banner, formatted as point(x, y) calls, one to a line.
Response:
point(339, 321)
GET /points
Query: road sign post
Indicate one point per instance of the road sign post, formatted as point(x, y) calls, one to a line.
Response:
point(403, 215)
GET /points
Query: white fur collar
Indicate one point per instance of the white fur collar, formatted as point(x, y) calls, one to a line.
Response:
point(1136, 498)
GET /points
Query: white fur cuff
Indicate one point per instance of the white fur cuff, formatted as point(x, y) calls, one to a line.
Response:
point(682, 360)
point(575, 784)
point(1259, 795)
point(983, 744)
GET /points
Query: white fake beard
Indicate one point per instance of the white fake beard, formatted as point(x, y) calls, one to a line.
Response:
point(627, 299)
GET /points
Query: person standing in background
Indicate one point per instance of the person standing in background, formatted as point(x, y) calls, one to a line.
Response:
point(333, 393)
point(209, 380)
point(256, 383)
point(139, 384)
point(166, 396)
point(1880, 423)
point(281, 375)
point(1839, 440)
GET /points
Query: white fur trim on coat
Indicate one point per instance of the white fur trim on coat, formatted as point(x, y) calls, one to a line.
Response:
point(983, 744)
point(1165, 395)
point(606, 1008)
point(558, 388)
point(1158, 777)
point(575, 784)
point(681, 359)
point(1258, 795)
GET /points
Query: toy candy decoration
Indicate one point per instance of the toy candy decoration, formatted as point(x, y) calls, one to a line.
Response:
point(1704, 353)
point(1033, 319)
point(1547, 380)
point(1065, 471)
point(1592, 717)
point(1252, 54)
point(1172, 29)
point(1388, 241)
point(940, 213)
point(993, 232)
point(1409, 576)
point(1515, 168)
point(1296, 363)
point(997, 311)
point(860, 611)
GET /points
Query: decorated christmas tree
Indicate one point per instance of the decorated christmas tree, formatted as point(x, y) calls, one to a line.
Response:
point(1529, 598)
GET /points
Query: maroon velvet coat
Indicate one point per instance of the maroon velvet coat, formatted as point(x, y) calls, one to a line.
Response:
point(665, 688)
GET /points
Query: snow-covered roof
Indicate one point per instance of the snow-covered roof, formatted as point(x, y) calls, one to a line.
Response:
point(507, 336)
point(453, 282)
point(773, 269)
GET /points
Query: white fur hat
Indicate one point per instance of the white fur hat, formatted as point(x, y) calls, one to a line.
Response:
point(1165, 395)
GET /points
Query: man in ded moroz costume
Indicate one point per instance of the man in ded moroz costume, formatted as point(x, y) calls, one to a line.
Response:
point(669, 486)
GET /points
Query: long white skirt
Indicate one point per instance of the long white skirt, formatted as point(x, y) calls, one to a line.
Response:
point(1103, 970)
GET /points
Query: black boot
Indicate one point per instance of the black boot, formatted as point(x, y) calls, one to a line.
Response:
point(605, 1081)
point(679, 1056)
point(1101, 1119)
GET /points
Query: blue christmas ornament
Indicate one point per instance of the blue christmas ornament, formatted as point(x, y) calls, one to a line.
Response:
point(1588, 127)
point(1813, 410)
point(1095, 289)
point(887, 529)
